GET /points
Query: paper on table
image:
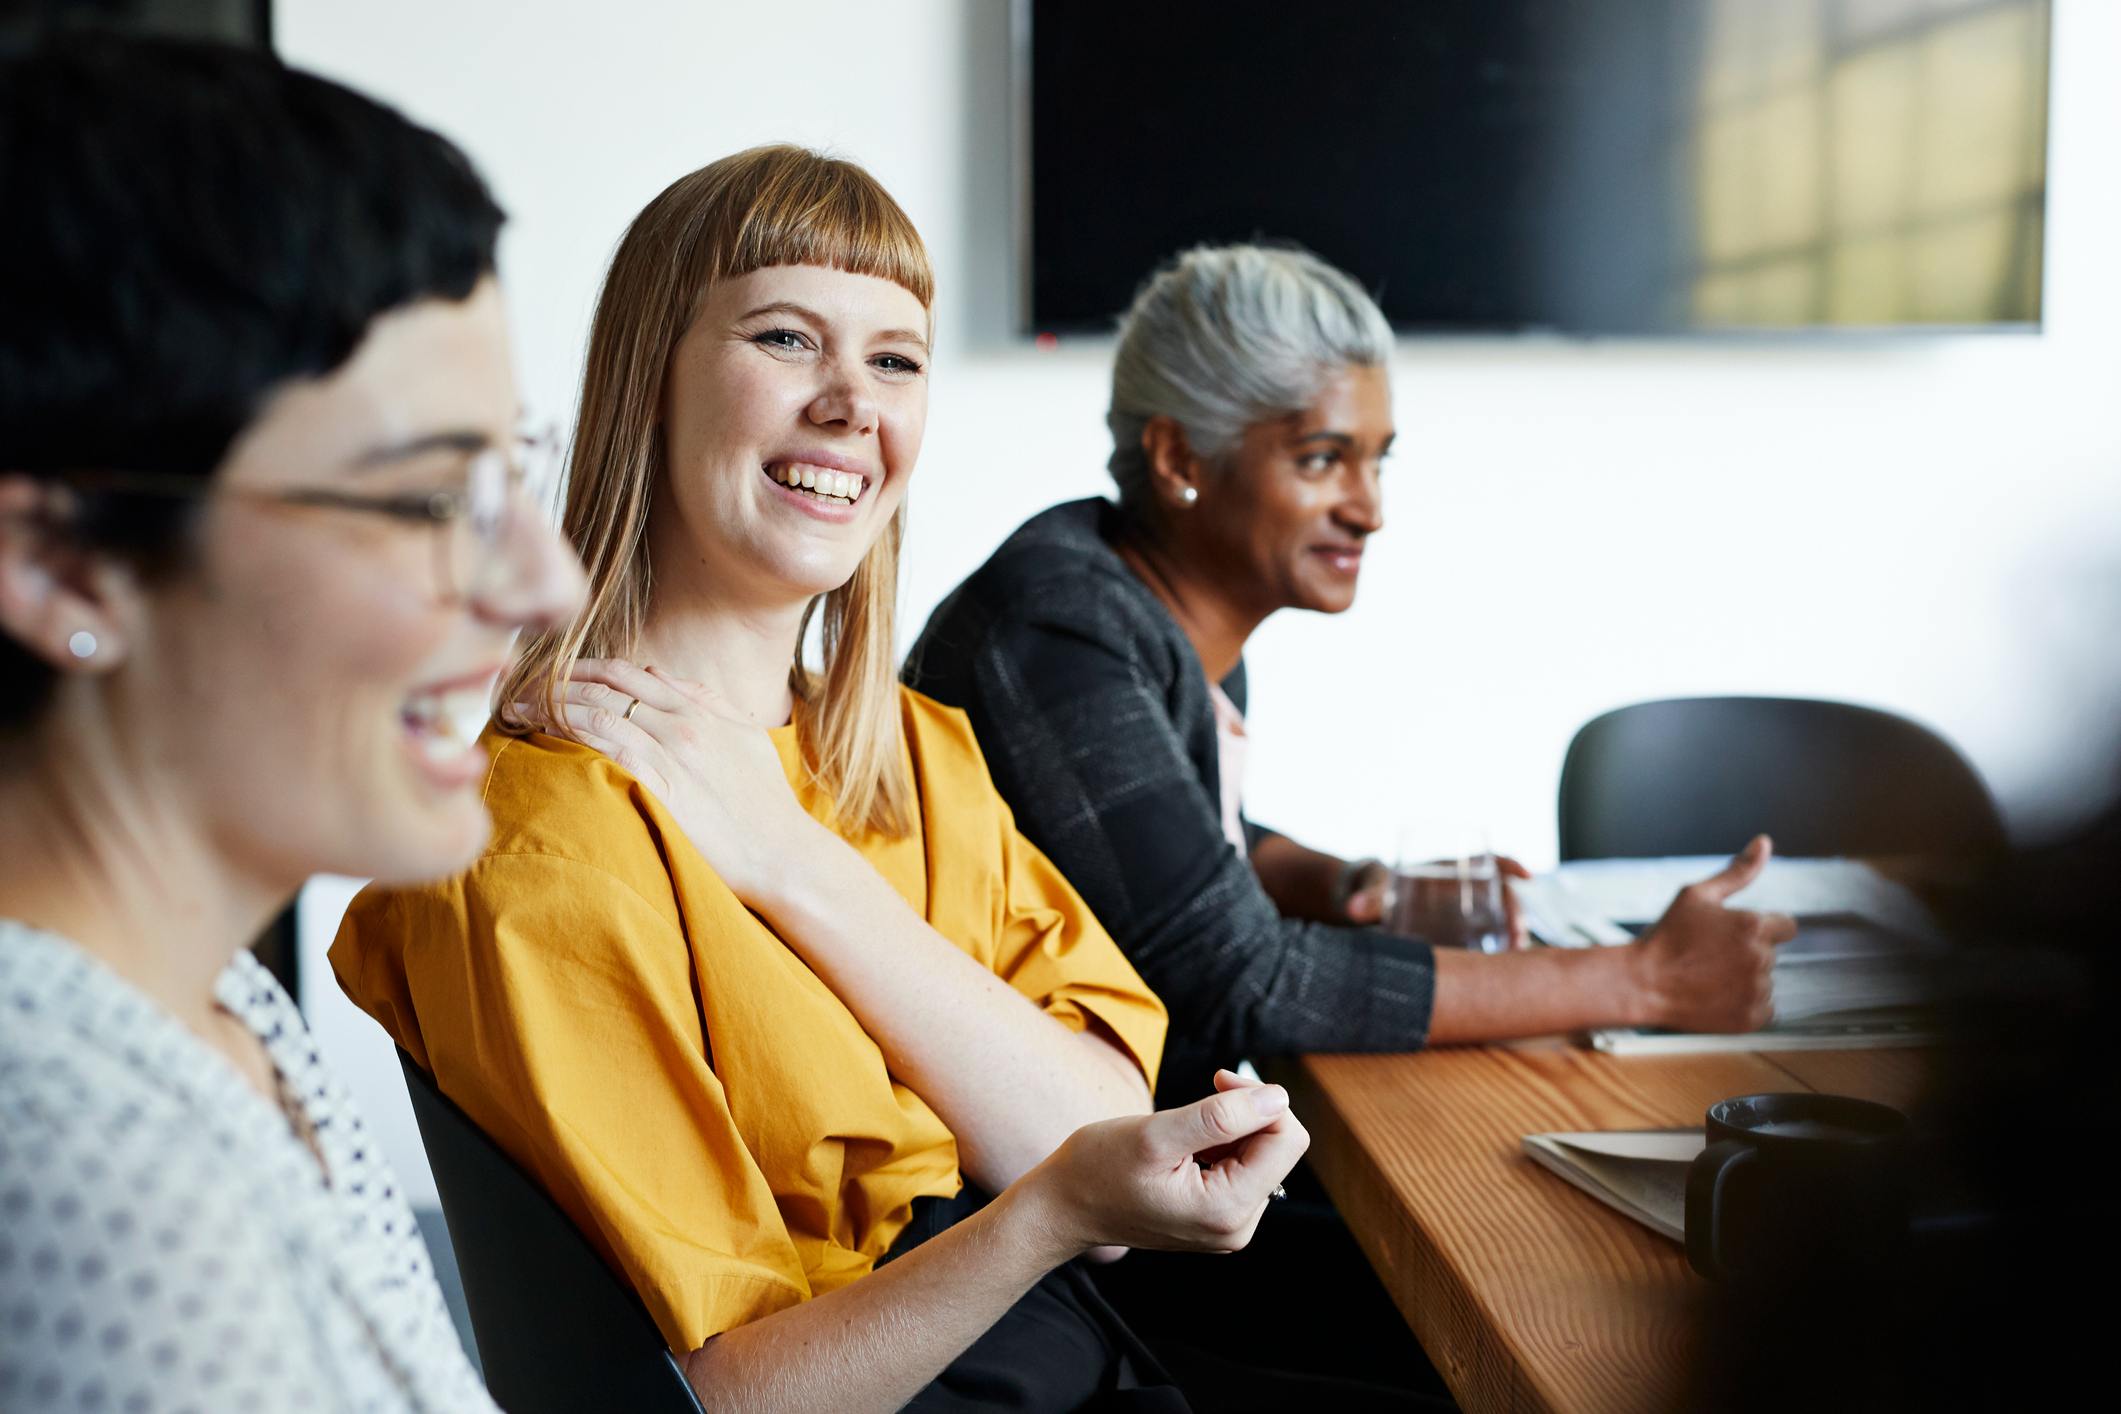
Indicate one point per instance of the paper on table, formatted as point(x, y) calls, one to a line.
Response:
point(1861, 1031)
point(1862, 963)
point(1582, 902)
point(1641, 1173)
point(1669, 1145)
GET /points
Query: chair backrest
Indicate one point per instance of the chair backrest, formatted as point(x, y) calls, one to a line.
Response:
point(1703, 775)
point(558, 1331)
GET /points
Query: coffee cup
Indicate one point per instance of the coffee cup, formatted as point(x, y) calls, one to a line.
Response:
point(1797, 1178)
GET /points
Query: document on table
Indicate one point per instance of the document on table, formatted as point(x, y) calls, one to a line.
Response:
point(1640, 1172)
point(1862, 971)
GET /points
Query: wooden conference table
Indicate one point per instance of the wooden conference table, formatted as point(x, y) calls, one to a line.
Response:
point(1526, 1293)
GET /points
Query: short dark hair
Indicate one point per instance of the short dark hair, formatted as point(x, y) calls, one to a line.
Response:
point(189, 226)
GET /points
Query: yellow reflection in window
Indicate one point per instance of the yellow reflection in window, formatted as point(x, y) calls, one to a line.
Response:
point(1785, 294)
point(1730, 51)
point(1729, 230)
point(1860, 19)
point(1870, 161)
point(1867, 281)
point(1792, 40)
point(1786, 168)
point(1961, 269)
point(1719, 300)
point(1872, 98)
point(1973, 148)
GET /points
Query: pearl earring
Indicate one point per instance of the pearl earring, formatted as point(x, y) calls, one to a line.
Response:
point(82, 645)
point(1189, 495)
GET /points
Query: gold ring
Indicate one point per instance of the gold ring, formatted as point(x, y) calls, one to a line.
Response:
point(627, 715)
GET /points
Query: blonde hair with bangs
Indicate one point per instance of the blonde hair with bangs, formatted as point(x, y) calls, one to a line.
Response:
point(777, 205)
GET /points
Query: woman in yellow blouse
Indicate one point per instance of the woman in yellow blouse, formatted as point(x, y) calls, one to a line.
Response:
point(756, 966)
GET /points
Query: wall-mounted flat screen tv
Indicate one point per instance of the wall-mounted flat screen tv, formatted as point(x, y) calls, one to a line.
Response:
point(1575, 166)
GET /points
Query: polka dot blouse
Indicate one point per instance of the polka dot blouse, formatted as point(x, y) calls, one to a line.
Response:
point(167, 1242)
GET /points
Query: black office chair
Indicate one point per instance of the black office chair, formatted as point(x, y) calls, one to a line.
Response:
point(558, 1333)
point(1702, 775)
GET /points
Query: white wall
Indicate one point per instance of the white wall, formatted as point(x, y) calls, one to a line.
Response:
point(1929, 525)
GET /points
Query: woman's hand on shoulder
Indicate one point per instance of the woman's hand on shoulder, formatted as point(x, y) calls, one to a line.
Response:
point(1193, 1179)
point(716, 772)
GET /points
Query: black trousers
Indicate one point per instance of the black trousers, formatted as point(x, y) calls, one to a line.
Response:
point(1060, 1347)
point(1064, 1346)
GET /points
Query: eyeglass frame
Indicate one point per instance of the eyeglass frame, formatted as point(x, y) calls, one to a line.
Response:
point(440, 509)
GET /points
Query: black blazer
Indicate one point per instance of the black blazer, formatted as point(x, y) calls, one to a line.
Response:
point(1093, 712)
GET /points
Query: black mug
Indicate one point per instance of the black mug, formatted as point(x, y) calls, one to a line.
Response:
point(1818, 1180)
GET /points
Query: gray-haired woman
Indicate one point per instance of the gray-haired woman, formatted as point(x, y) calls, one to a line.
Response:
point(1099, 653)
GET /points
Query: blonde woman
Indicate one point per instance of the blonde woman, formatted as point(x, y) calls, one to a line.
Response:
point(756, 972)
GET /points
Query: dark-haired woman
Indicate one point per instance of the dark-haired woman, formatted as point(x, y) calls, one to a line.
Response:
point(263, 545)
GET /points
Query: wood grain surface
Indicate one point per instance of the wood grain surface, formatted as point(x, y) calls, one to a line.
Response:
point(1526, 1293)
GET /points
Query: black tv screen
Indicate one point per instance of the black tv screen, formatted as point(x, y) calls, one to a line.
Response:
point(1579, 166)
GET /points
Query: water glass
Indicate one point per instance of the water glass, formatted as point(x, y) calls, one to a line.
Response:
point(1452, 903)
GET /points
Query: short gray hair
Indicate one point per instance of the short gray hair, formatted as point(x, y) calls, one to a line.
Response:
point(1228, 336)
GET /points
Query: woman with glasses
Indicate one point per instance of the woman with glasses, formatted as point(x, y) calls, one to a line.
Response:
point(757, 976)
point(264, 542)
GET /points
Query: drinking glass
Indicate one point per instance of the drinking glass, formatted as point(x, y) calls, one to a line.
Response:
point(1452, 903)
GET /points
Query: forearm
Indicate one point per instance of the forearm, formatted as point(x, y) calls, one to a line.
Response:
point(1535, 993)
point(1301, 881)
point(1009, 1080)
point(874, 1343)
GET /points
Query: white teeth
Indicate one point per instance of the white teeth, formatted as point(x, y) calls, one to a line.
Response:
point(822, 482)
point(445, 725)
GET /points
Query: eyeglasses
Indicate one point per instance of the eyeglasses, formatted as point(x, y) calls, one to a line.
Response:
point(504, 490)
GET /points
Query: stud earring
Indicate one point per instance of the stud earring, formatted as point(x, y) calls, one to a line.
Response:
point(1189, 495)
point(82, 645)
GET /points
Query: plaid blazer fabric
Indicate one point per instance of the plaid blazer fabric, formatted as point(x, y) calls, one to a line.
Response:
point(1093, 713)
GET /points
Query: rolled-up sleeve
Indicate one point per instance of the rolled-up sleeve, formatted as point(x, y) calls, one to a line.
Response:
point(1051, 948)
point(996, 895)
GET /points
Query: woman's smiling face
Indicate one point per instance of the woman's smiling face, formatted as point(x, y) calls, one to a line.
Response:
point(294, 682)
point(792, 416)
point(1299, 498)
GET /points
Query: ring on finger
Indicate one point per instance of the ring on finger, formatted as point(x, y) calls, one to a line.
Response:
point(627, 715)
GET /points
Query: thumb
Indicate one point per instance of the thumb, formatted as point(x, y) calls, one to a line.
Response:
point(1743, 869)
point(1366, 905)
point(1220, 1119)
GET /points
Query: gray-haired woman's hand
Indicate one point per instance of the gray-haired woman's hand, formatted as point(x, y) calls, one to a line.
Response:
point(1707, 966)
point(1369, 894)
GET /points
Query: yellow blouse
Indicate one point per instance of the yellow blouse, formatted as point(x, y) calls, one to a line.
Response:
point(704, 1108)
